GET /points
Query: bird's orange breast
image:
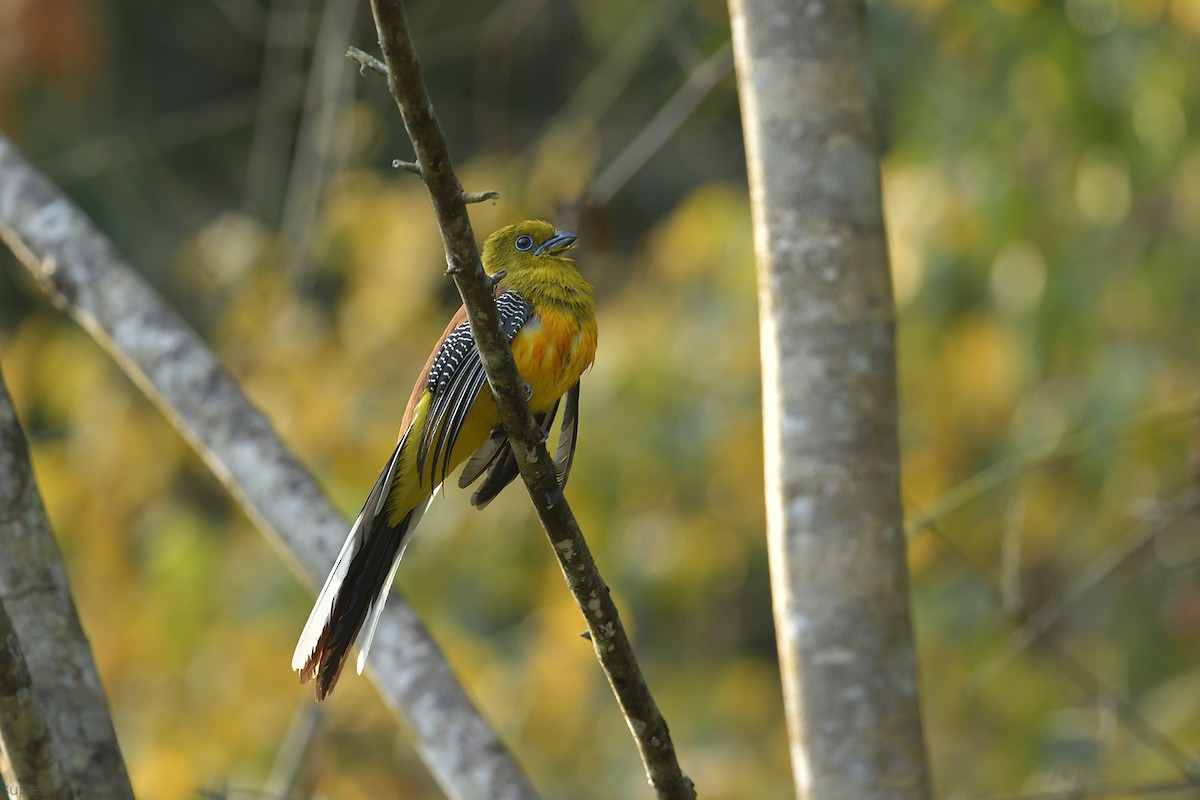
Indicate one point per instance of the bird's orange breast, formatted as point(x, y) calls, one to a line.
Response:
point(552, 350)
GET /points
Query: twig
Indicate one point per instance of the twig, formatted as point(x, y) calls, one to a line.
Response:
point(272, 137)
point(1087, 682)
point(286, 780)
point(370, 62)
point(658, 130)
point(330, 88)
point(41, 620)
point(1012, 599)
point(641, 36)
point(612, 646)
point(84, 275)
point(1051, 453)
point(366, 61)
point(1049, 614)
point(104, 153)
point(1091, 685)
point(480, 197)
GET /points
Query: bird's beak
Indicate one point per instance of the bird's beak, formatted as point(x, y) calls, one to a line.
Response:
point(561, 240)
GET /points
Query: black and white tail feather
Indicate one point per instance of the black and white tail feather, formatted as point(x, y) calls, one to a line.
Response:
point(338, 616)
point(354, 594)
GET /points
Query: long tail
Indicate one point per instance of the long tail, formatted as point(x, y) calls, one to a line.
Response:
point(356, 589)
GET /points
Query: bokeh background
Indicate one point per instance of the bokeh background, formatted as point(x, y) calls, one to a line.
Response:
point(1042, 186)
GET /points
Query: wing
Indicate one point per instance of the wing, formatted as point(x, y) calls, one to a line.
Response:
point(495, 456)
point(456, 377)
point(568, 436)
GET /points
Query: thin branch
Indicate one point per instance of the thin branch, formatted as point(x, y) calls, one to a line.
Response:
point(81, 271)
point(287, 777)
point(1012, 599)
point(612, 646)
point(145, 140)
point(330, 89)
point(43, 639)
point(1150, 735)
point(480, 197)
point(1142, 535)
point(616, 70)
point(1046, 455)
point(1083, 678)
point(283, 55)
point(659, 129)
point(366, 61)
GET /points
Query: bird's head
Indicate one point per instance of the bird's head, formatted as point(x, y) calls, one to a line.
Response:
point(529, 246)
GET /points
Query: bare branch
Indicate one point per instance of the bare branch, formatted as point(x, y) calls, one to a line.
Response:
point(285, 42)
point(330, 88)
point(1142, 535)
point(642, 35)
point(1084, 679)
point(658, 130)
point(105, 153)
point(287, 777)
point(41, 633)
point(480, 197)
point(612, 646)
point(1012, 599)
point(1051, 453)
point(81, 271)
point(366, 61)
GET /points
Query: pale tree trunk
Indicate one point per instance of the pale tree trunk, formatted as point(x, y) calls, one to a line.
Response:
point(56, 736)
point(835, 522)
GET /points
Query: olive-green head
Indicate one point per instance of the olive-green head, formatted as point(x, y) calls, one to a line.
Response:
point(531, 245)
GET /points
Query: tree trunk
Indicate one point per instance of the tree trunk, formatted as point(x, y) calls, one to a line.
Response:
point(74, 731)
point(835, 521)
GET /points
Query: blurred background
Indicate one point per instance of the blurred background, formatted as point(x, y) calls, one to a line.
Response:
point(1042, 185)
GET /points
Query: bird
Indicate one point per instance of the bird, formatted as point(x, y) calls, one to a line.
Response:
point(547, 314)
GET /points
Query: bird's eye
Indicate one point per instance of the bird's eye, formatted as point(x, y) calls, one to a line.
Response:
point(524, 242)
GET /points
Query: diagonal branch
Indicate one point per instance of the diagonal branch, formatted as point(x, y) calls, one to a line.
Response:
point(612, 646)
point(71, 751)
point(1139, 537)
point(1082, 677)
point(84, 275)
point(662, 126)
point(1051, 453)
